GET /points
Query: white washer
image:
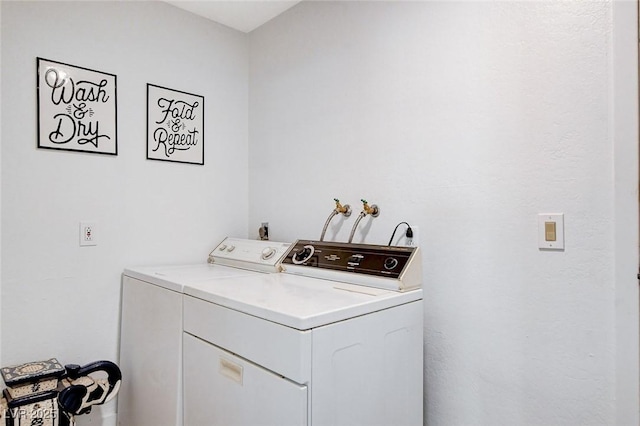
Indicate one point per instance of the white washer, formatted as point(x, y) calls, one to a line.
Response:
point(151, 326)
point(293, 349)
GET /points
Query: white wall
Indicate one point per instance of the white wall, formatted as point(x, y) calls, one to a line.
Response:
point(467, 120)
point(624, 90)
point(1, 196)
point(61, 300)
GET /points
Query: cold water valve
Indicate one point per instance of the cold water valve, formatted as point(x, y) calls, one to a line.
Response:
point(340, 209)
point(373, 209)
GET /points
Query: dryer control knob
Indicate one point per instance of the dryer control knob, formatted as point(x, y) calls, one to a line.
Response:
point(303, 255)
point(222, 247)
point(390, 263)
point(268, 253)
point(231, 248)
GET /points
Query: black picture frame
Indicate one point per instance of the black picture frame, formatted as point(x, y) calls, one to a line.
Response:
point(77, 108)
point(175, 125)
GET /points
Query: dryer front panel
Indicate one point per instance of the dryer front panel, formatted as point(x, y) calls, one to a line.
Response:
point(222, 389)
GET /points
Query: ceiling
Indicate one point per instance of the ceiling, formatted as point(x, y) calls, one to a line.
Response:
point(242, 15)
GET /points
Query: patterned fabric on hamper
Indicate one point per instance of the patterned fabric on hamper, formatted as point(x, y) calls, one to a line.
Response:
point(3, 411)
point(40, 409)
point(32, 378)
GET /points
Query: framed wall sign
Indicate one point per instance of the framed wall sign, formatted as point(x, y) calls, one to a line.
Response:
point(77, 108)
point(175, 125)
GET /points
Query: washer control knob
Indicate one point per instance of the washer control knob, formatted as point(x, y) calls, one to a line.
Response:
point(390, 263)
point(303, 255)
point(268, 253)
point(222, 247)
point(231, 248)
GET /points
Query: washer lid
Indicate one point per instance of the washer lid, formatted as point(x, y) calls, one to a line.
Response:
point(233, 257)
point(298, 302)
point(177, 276)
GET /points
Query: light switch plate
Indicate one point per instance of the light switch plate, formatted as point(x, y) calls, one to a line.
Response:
point(545, 223)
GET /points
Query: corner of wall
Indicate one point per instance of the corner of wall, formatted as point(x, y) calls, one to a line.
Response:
point(0, 185)
point(624, 128)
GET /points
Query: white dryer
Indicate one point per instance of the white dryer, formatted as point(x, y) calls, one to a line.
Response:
point(151, 326)
point(338, 340)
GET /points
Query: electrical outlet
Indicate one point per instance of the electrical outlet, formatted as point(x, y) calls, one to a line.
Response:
point(415, 240)
point(88, 235)
point(410, 242)
point(263, 231)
